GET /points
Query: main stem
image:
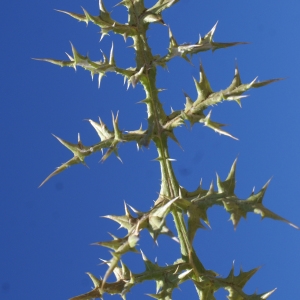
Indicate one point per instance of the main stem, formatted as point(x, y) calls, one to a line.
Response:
point(156, 118)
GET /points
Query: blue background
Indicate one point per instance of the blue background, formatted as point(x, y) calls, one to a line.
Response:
point(45, 233)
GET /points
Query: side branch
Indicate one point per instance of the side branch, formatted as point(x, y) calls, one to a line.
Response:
point(109, 140)
point(206, 97)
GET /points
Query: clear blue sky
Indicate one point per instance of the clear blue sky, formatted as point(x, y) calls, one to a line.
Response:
point(45, 234)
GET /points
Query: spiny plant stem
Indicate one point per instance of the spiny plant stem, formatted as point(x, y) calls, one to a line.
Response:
point(169, 184)
point(169, 190)
point(172, 198)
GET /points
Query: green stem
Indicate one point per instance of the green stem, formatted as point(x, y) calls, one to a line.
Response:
point(156, 118)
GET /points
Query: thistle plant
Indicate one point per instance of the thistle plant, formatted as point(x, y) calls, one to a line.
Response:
point(187, 208)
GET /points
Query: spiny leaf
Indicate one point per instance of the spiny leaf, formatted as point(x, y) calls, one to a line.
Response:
point(256, 201)
point(95, 67)
point(112, 149)
point(207, 41)
point(80, 152)
point(193, 111)
point(194, 214)
point(121, 245)
point(97, 282)
point(103, 20)
point(188, 101)
point(203, 86)
point(206, 288)
point(79, 17)
point(152, 18)
point(93, 294)
point(239, 208)
point(113, 263)
point(60, 63)
point(150, 266)
point(228, 185)
point(103, 11)
point(121, 273)
point(167, 282)
point(117, 131)
point(170, 134)
point(235, 284)
point(244, 87)
point(161, 5)
point(204, 44)
point(173, 42)
point(240, 280)
point(165, 295)
point(162, 211)
point(87, 17)
point(266, 213)
point(157, 221)
point(134, 79)
point(236, 81)
point(127, 221)
point(120, 287)
point(215, 126)
point(102, 130)
point(201, 200)
point(112, 61)
point(266, 82)
point(73, 161)
point(240, 295)
point(206, 97)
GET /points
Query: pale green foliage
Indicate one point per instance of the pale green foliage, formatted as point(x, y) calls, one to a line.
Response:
point(172, 198)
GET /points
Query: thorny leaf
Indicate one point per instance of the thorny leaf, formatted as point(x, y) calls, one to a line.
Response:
point(95, 67)
point(209, 283)
point(201, 200)
point(194, 110)
point(215, 126)
point(204, 44)
point(103, 20)
point(80, 152)
point(161, 5)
